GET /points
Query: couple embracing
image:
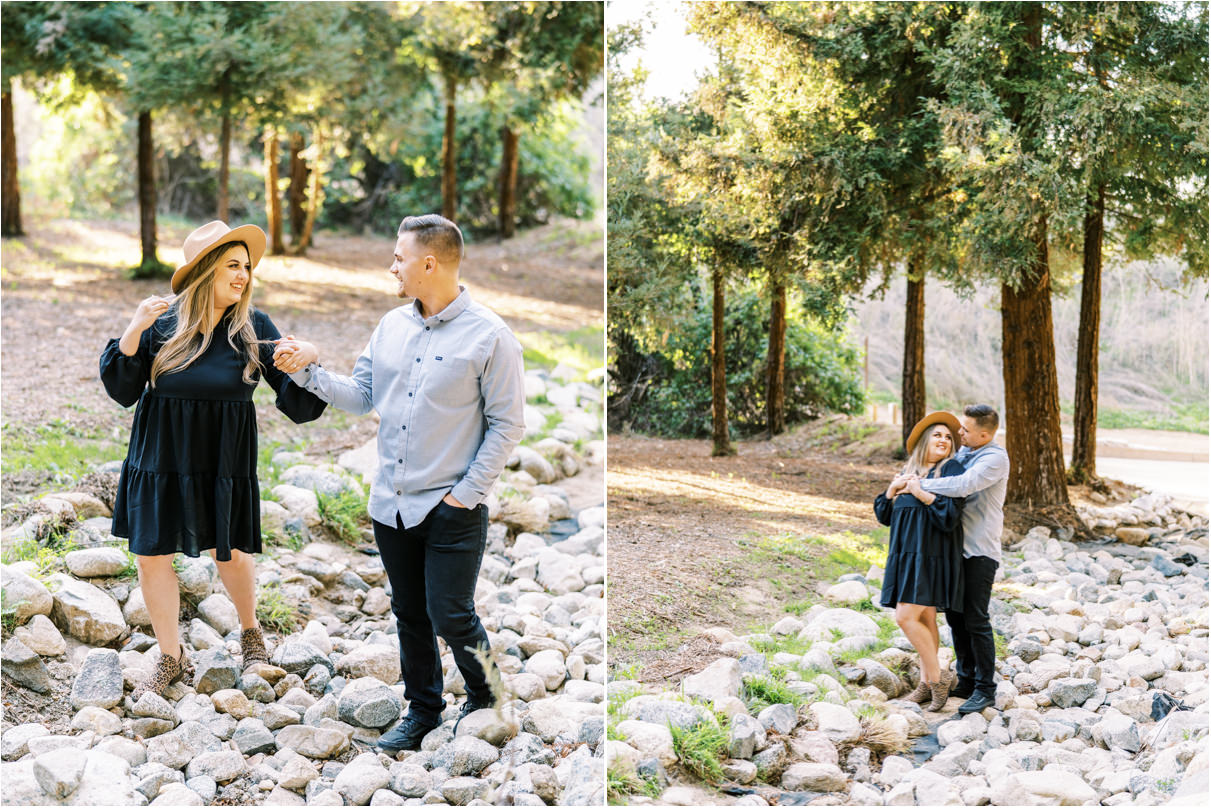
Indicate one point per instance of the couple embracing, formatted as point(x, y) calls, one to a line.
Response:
point(945, 510)
point(445, 375)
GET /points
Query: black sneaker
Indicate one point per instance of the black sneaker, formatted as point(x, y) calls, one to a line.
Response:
point(407, 734)
point(469, 707)
point(963, 689)
point(978, 702)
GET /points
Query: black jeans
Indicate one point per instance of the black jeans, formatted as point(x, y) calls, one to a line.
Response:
point(975, 650)
point(433, 568)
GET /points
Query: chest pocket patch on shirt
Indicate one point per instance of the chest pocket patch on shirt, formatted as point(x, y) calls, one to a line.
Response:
point(451, 380)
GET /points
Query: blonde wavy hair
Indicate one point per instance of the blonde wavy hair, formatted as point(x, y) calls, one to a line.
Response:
point(916, 459)
point(194, 307)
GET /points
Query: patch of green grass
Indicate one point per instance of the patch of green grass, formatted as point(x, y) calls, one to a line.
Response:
point(344, 515)
point(582, 349)
point(131, 570)
point(8, 613)
point(274, 611)
point(798, 607)
point(762, 691)
point(620, 785)
point(785, 645)
point(1178, 418)
point(57, 446)
point(626, 672)
point(47, 556)
point(290, 539)
point(1002, 645)
point(649, 632)
point(700, 750)
point(887, 627)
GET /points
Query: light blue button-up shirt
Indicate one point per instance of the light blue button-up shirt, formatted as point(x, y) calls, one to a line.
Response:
point(450, 392)
point(983, 484)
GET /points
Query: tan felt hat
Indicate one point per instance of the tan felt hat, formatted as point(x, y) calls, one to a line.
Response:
point(215, 234)
point(939, 417)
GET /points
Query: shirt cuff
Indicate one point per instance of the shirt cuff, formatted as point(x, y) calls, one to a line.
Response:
point(301, 377)
point(464, 494)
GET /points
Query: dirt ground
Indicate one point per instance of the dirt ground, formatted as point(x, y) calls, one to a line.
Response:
point(683, 526)
point(686, 531)
point(65, 295)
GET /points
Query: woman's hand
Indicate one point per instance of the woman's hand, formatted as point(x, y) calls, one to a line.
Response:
point(148, 312)
point(914, 488)
point(292, 355)
point(896, 487)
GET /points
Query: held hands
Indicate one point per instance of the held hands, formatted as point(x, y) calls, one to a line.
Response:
point(292, 355)
point(899, 485)
point(914, 487)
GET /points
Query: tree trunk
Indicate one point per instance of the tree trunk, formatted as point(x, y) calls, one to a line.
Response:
point(297, 199)
point(11, 202)
point(508, 181)
point(912, 378)
point(775, 360)
point(147, 194)
point(1084, 416)
point(449, 188)
point(1032, 396)
point(224, 166)
point(315, 197)
point(722, 445)
point(273, 195)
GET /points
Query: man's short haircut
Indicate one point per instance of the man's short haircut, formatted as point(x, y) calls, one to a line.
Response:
point(985, 416)
point(436, 233)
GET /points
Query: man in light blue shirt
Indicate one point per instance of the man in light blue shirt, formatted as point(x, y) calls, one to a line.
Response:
point(445, 375)
point(983, 484)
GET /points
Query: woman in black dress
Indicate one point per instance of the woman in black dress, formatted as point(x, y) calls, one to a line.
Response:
point(925, 555)
point(189, 480)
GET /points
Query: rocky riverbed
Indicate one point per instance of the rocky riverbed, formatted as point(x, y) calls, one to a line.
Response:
point(301, 731)
point(1102, 694)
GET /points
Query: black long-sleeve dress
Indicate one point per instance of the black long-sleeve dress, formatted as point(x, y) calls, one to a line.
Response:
point(925, 553)
point(189, 481)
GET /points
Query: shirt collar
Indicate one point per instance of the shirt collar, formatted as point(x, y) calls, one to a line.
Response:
point(456, 307)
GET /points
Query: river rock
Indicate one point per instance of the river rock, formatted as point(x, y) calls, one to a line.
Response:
point(838, 724)
point(813, 777)
point(360, 778)
point(59, 772)
point(224, 766)
point(85, 612)
point(379, 661)
point(314, 742)
point(95, 562)
point(1053, 786)
point(215, 670)
point(848, 622)
point(218, 611)
point(1071, 692)
point(99, 682)
point(25, 667)
point(719, 680)
point(369, 704)
point(465, 756)
point(197, 577)
point(24, 594)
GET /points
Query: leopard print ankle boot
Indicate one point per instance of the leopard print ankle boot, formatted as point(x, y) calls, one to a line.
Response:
point(168, 670)
point(252, 647)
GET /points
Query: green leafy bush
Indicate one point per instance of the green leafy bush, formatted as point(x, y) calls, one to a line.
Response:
point(823, 371)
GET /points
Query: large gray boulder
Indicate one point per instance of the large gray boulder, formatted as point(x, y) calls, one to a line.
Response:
point(87, 613)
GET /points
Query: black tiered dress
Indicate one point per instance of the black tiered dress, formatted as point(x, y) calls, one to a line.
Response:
point(925, 554)
point(189, 480)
